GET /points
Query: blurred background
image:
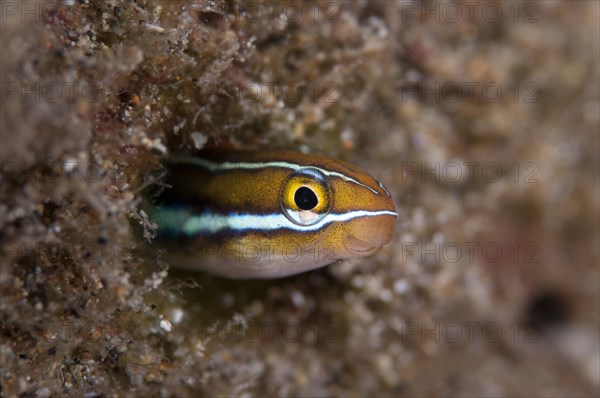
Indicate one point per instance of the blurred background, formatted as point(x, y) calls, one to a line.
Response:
point(480, 117)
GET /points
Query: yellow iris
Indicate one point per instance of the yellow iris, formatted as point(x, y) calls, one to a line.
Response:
point(316, 182)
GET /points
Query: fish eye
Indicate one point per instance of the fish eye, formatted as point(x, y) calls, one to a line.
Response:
point(306, 197)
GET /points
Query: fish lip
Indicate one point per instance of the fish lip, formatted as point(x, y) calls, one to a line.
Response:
point(362, 252)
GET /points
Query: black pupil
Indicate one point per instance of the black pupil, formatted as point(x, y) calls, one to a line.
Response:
point(305, 198)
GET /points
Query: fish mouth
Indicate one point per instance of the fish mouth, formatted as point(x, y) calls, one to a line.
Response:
point(360, 247)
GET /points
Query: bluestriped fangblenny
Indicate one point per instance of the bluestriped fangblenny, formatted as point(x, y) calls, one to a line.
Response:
point(269, 214)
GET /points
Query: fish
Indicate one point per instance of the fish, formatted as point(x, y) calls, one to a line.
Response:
point(268, 214)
